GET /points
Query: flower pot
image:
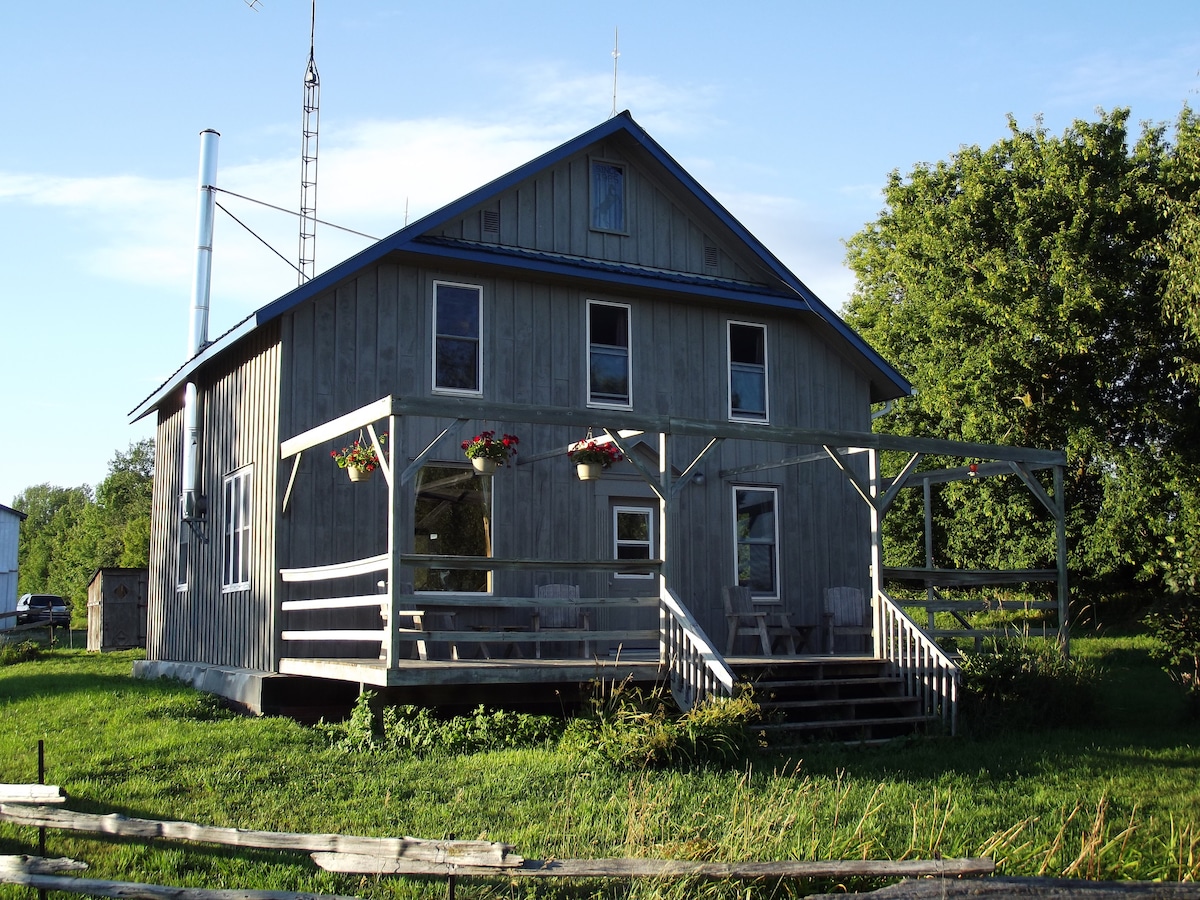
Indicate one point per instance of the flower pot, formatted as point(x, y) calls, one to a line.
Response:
point(588, 471)
point(358, 474)
point(484, 466)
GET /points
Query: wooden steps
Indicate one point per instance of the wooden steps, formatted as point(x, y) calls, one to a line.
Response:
point(847, 699)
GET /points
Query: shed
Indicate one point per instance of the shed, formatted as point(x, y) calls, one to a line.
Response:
point(10, 533)
point(116, 609)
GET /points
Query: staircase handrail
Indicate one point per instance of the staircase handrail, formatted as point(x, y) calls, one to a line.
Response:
point(928, 673)
point(697, 671)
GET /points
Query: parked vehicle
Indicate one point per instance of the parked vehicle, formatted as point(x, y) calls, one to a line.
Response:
point(48, 608)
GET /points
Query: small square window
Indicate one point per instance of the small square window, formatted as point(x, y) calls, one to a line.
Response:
point(608, 197)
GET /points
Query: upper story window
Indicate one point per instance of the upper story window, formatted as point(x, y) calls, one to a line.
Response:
point(747, 372)
point(633, 536)
point(608, 196)
point(756, 539)
point(235, 546)
point(608, 354)
point(457, 338)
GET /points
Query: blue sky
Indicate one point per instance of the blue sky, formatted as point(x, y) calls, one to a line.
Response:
point(791, 113)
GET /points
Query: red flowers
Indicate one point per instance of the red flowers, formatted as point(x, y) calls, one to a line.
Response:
point(589, 451)
point(359, 455)
point(485, 446)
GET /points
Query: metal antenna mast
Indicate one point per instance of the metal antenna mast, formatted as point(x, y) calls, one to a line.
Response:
point(616, 54)
point(308, 160)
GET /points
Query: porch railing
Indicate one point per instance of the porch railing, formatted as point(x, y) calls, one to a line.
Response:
point(697, 670)
point(927, 672)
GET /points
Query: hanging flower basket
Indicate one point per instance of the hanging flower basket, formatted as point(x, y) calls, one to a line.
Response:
point(486, 451)
point(359, 459)
point(591, 458)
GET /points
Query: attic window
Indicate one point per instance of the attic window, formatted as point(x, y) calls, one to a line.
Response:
point(491, 221)
point(712, 256)
point(608, 197)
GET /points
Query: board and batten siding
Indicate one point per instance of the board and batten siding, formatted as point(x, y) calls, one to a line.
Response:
point(666, 229)
point(239, 428)
point(372, 337)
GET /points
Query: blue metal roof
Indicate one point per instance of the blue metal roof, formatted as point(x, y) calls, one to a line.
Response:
point(414, 239)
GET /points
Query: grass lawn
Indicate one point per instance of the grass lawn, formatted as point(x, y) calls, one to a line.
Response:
point(1119, 799)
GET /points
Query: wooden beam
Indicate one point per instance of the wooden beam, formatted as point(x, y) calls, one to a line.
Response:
point(39, 865)
point(668, 868)
point(788, 461)
point(651, 478)
point(467, 852)
point(485, 563)
point(414, 467)
point(437, 600)
point(287, 494)
point(1035, 487)
point(365, 566)
point(32, 793)
point(351, 421)
point(898, 483)
point(682, 481)
point(864, 490)
point(968, 577)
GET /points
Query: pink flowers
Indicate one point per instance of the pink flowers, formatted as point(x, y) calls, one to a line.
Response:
point(589, 451)
point(360, 455)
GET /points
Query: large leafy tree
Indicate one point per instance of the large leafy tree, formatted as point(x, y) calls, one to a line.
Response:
point(1019, 288)
point(69, 533)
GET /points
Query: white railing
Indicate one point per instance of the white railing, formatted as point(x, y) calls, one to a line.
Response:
point(697, 671)
point(348, 569)
point(928, 674)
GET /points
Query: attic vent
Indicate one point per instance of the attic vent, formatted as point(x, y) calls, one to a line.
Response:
point(491, 221)
point(712, 256)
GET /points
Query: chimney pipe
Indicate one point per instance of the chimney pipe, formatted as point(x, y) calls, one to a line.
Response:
point(191, 507)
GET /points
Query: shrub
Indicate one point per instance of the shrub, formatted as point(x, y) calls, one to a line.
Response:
point(635, 729)
point(418, 731)
point(26, 651)
point(1175, 622)
point(1028, 685)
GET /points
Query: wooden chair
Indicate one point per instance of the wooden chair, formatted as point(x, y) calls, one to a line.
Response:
point(846, 612)
point(438, 620)
point(560, 618)
point(770, 625)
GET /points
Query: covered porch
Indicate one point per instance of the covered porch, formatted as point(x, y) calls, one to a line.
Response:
point(388, 635)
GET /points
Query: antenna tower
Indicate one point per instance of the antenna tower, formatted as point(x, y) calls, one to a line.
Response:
point(308, 160)
point(616, 54)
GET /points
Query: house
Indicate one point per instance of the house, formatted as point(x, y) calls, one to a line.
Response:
point(597, 290)
point(10, 533)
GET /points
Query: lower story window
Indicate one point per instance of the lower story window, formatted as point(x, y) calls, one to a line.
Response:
point(235, 563)
point(453, 517)
point(633, 536)
point(756, 539)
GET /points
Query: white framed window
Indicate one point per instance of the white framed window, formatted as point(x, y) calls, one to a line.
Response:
point(457, 338)
point(235, 518)
point(608, 196)
point(756, 540)
point(633, 536)
point(609, 375)
point(181, 558)
point(452, 517)
point(748, 372)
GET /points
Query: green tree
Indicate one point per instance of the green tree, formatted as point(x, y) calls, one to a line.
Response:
point(1018, 288)
point(70, 533)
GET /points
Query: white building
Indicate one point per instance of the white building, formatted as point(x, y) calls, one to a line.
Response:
point(10, 531)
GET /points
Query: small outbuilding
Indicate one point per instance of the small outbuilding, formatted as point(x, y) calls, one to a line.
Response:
point(10, 533)
point(116, 609)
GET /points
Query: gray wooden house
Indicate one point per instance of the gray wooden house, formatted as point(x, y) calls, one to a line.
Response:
point(598, 291)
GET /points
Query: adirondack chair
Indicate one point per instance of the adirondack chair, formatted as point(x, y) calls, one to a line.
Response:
point(560, 618)
point(422, 619)
point(846, 613)
point(770, 626)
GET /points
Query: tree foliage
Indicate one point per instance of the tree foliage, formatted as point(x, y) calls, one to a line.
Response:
point(69, 533)
point(1020, 288)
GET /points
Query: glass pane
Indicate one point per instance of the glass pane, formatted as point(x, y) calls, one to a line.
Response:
point(747, 344)
point(452, 518)
point(756, 568)
point(610, 375)
point(633, 551)
point(747, 391)
point(609, 325)
point(633, 526)
point(608, 197)
point(458, 364)
point(457, 311)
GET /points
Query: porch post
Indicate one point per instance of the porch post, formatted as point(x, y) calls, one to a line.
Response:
point(391, 641)
point(876, 551)
point(1060, 529)
point(664, 531)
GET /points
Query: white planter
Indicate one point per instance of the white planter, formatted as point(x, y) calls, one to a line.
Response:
point(358, 474)
point(588, 471)
point(483, 465)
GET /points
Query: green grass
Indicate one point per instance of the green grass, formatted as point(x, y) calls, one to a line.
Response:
point(1117, 799)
